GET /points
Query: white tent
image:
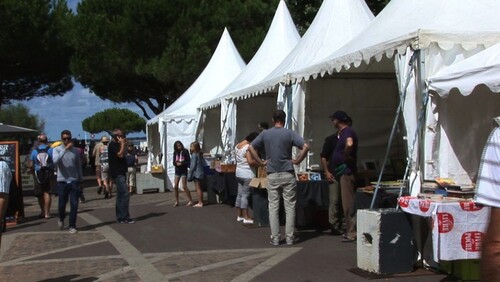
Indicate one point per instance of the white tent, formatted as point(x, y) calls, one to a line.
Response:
point(464, 76)
point(180, 120)
point(427, 35)
point(281, 37)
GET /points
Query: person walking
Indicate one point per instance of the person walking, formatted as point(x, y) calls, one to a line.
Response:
point(132, 161)
point(41, 161)
point(244, 174)
point(278, 143)
point(118, 172)
point(5, 182)
point(181, 160)
point(344, 160)
point(196, 171)
point(106, 181)
point(96, 155)
point(68, 163)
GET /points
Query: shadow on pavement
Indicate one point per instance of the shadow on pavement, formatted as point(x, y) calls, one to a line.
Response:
point(70, 278)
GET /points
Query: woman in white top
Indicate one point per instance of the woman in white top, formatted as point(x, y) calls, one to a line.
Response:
point(244, 174)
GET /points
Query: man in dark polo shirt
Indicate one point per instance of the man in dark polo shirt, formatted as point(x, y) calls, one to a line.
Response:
point(334, 217)
point(344, 161)
point(118, 171)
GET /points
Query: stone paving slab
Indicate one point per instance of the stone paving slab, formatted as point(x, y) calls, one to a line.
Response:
point(167, 244)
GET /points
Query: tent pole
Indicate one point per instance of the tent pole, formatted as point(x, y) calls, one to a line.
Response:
point(399, 110)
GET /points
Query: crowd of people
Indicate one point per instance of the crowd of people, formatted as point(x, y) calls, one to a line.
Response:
point(57, 169)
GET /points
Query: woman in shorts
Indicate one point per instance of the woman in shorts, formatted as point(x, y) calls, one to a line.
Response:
point(181, 161)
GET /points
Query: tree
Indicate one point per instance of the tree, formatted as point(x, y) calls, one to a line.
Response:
point(150, 52)
point(377, 5)
point(34, 57)
point(110, 119)
point(19, 115)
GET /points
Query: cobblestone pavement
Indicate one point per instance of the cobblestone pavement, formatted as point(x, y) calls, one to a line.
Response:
point(166, 244)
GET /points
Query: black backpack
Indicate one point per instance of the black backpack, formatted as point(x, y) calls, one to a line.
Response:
point(44, 160)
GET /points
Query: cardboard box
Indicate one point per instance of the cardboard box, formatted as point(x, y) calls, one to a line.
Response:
point(261, 180)
point(226, 168)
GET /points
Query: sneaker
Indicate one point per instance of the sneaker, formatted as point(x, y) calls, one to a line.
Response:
point(99, 190)
point(82, 198)
point(346, 239)
point(247, 221)
point(60, 224)
point(239, 218)
point(290, 241)
point(73, 230)
point(275, 242)
point(127, 221)
point(106, 195)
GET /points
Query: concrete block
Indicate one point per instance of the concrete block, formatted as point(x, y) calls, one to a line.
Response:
point(384, 244)
point(147, 181)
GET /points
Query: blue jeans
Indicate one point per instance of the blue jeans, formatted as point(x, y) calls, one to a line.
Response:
point(122, 198)
point(71, 190)
point(282, 184)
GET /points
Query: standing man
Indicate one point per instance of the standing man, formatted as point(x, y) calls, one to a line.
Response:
point(278, 143)
point(67, 160)
point(488, 194)
point(334, 186)
point(118, 171)
point(344, 161)
point(41, 161)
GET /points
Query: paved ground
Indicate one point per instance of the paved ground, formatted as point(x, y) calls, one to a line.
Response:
point(168, 244)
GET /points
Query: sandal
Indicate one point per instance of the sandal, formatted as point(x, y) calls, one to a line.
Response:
point(189, 204)
point(198, 205)
point(176, 204)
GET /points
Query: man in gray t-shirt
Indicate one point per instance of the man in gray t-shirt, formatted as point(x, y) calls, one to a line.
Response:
point(278, 143)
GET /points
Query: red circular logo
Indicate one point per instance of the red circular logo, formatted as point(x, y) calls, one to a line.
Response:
point(404, 202)
point(445, 222)
point(470, 206)
point(471, 241)
point(424, 205)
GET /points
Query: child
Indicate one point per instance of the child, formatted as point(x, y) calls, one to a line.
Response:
point(181, 164)
point(196, 170)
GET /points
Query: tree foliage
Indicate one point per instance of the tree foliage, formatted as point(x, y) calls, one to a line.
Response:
point(150, 52)
point(19, 115)
point(34, 56)
point(377, 5)
point(110, 119)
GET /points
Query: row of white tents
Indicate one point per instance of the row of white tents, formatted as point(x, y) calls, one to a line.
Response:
point(404, 61)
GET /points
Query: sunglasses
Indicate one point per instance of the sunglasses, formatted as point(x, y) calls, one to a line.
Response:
point(66, 138)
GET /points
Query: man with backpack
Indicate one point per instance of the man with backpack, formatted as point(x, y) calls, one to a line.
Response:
point(41, 160)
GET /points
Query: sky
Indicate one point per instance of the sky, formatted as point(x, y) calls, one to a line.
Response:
point(68, 111)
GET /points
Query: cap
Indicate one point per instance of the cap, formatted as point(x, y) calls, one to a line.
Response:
point(105, 139)
point(341, 116)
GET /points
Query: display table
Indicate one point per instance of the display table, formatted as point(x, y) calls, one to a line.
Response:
point(457, 229)
point(312, 204)
point(313, 193)
point(222, 188)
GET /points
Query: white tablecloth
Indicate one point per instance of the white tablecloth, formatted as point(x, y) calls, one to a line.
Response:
point(457, 227)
